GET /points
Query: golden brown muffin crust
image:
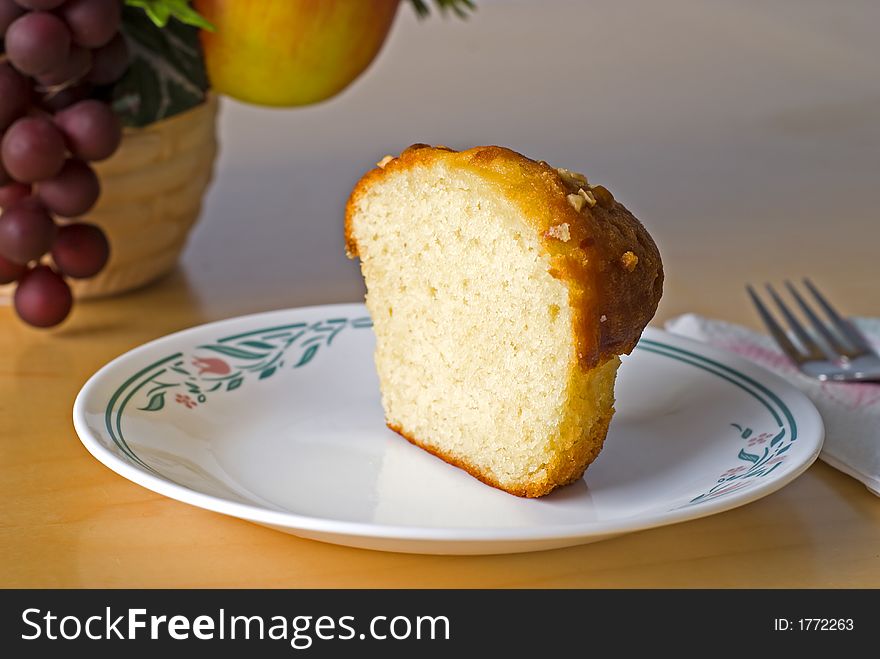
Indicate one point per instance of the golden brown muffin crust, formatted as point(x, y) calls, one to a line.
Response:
point(602, 252)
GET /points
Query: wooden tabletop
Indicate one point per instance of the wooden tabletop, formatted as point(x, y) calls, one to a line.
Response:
point(744, 136)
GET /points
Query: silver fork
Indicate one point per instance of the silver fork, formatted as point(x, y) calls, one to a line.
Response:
point(842, 353)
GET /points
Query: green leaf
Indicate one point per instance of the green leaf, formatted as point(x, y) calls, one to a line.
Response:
point(167, 73)
point(307, 356)
point(258, 344)
point(751, 457)
point(746, 433)
point(268, 373)
point(159, 387)
point(778, 438)
point(459, 7)
point(234, 384)
point(157, 402)
point(161, 11)
point(238, 353)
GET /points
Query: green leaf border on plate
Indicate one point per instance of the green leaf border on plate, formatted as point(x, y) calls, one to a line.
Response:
point(229, 363)
point(190, 379)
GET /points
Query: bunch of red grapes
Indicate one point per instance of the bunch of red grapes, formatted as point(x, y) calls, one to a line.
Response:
point(56, 57)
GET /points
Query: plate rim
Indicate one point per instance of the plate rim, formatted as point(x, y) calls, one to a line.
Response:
point(297, 522)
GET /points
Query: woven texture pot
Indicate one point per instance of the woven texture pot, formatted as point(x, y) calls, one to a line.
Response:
point(151, 195)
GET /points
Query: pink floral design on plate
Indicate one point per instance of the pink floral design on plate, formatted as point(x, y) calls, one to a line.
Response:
point(185, 400)
point(211, 365)
point(763, 438)
point(766, 450)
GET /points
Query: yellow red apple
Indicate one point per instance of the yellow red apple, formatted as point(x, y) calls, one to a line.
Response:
point(291, 52)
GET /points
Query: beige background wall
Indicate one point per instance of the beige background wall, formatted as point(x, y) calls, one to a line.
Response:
point(735, 130)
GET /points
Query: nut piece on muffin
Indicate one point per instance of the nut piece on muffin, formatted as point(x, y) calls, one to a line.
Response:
point(502, 292)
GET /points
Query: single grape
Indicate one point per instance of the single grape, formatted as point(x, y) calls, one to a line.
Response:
point(73, 192)
point(31, 202)
point(42, 297)
point(93, 22)
point(9, 11)
point(32, 149)
point(109, 62)
point(81, 250)
point(55, 101)
point(10, 271)
point(74, 68)
point(92, 130)
point(26, 232)
point(39, 5)
point(37, 42)
point(15, 95)
point(12, 193)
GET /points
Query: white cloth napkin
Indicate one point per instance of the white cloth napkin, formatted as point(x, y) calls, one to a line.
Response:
point(851, 412)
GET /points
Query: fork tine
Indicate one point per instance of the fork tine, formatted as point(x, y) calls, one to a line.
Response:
point(775, 330)
point(843, 325)
point(810, 346)
point(818, 325)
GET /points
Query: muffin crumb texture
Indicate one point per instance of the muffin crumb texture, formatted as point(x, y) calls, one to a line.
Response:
point(486, 284)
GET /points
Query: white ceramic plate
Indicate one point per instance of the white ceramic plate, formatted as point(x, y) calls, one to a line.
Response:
point(275, 418)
